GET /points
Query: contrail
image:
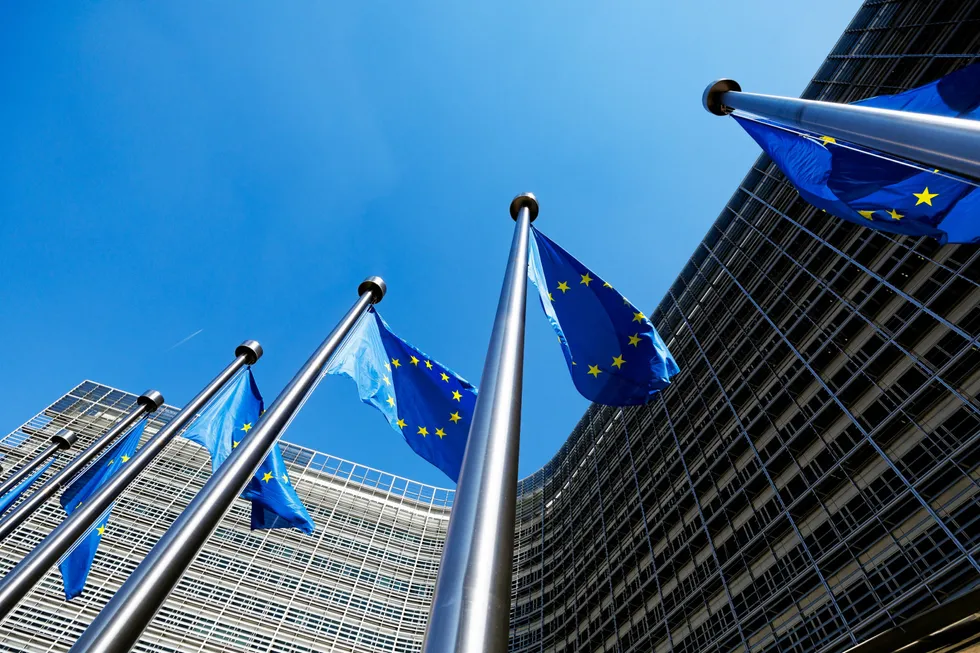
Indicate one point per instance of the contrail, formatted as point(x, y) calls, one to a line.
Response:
point(185, 339)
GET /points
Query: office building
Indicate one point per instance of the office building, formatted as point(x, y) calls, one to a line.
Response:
point(810, 478)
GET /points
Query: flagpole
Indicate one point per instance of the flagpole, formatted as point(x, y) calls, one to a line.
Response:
point(63, 439)
point(948, 144)
point(29, 571)
point(471, 608)
point(119, 626)
point(148, 402)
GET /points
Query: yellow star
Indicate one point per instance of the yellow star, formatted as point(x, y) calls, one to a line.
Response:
point(387, 367)
point(594, 371)
point(428, 365)
point(563, 286)
point(390, 400)
point(635, 339)
point(423, 431)
point(79, 504)
point(234, 444)
point(457, 396)
point(285, 479)
point(384, 377)
point(267, 477)
point(551, 297)
point(895, 214)
point(586, 279)
point(445, 377)
point(925, 197)
point(247, 427)
point(618, 362)
point(111, 461)
point(454, 417)
point(866, 214)
point(626, 301)
point(440, 433)
point(400, 423)
point(639, 317)
point(125, 458)
point(606, 284)
point(394, 361)
point(100, 530)
point(828, 139)
point(414, 361)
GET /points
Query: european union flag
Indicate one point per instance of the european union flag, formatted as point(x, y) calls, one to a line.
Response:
point(76, 565)
point(424, 401)
point(222, 426)
point(869, 188)
point(10, 497)
point(877, 190)
point(614, 353)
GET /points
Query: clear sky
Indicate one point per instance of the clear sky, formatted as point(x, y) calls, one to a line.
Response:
point(234, 169)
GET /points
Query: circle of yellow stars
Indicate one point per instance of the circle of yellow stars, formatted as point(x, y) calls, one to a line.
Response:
point(634, 340)
point(454, 416)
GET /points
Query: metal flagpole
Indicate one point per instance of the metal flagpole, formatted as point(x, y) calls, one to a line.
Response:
point(148, 402)
point(126, 616)
point(19, 580)
point(471, 607)
point(63, 439)
point(949, 144)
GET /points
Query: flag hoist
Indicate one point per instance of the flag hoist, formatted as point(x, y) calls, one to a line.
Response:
point(148, 402)
point(126, 616)
point(29, 571)
point(471, 606)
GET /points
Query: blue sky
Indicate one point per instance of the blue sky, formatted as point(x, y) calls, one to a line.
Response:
point(234, 169)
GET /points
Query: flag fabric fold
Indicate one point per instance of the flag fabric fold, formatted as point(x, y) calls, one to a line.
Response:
point(957, 95)
point(10, 497)
point(869, 188)
point(613, 352)
point(222, 426)
point(76, 566)
point(424, 401)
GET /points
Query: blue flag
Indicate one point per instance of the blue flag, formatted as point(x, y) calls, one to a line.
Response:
point(76, 565)
point(424, 401)
point(10, 497)
point(613, 352)
point(222, 426)
point(870, 189)
point(957, 95)
point(877, 190)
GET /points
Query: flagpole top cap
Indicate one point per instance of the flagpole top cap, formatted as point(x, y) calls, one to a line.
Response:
point(150, 400)
point(64, 438)
point(374, 285)
point(712, 96)
point(522, 200)
point(251, 350)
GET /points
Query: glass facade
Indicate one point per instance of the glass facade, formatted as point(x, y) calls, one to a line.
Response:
point(812, 476)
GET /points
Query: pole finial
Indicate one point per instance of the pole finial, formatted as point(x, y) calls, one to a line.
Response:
point(64, 438)
point(374, 285)
point(251, 350)
point(151, 400)
point(522, 200)
point(712, 96)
